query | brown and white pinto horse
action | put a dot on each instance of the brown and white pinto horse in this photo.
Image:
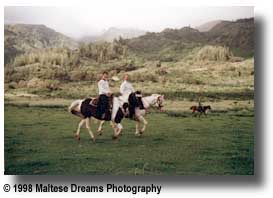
(154, 100)
(85, 110)
(201, 110)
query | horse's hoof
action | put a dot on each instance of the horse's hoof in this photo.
(77, 137)
(99, 133)
(94, 140)
(114, 137)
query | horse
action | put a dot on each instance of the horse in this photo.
(201, 109)
(86, 108)
(148, 102)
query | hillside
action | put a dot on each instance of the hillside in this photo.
(176, 43)
(165, 44)
(207, 26)
(20, 38)
(238, 35)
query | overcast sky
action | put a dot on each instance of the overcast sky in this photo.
(81, 21)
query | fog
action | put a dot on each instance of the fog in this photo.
(81, 21)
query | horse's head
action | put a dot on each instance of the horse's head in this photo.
(158, 100)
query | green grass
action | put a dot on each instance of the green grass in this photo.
(40, 141)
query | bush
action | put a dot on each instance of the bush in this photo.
(82, 75)
(42, 84)
(77, 75)
(12, 85)
(22, 84)
(214, 53)
(142, 77)
(161, 72)
(17, 76)
(43, 56)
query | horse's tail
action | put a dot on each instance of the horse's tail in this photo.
(73, 107)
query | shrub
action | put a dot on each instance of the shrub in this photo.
(42, 84)
(35, 83)
(22, 84)
(12, 85)
(142, 77)
(78, 75)
(214, 53)
(161, 71)
(16, 76)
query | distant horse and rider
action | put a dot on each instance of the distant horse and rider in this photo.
(200, 109)
(106, 107)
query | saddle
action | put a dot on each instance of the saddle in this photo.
(94, 102)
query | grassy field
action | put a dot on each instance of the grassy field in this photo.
(39, 140)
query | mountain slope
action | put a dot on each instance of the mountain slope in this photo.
(237, 35)
(169, 41)
(20, 38)
(207, 26)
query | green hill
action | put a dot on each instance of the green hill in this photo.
(238, 35)
(177, 43)
(21, 38)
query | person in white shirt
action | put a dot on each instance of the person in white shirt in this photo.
(128, 92)
(126, 87)
(104, 94)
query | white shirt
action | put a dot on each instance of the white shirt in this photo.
(126, 88)
(103, 87)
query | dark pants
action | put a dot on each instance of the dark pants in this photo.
(133, 103)
(103, 105)
(140, 103)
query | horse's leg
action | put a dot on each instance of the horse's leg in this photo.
(137, 128)
(112, 124)
(99, 131)
(77, 134)
(117, 130)
(89, 129)
(142, 119)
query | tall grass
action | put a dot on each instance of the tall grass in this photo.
(214, 53)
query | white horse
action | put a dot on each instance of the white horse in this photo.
(148, 102)
(117, 115)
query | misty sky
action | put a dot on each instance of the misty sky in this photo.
(81, 21)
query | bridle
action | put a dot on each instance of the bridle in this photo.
(159, 103)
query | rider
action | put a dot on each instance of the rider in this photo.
(126, 87)
(104, 94)
(200, 106)
(134, 99)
